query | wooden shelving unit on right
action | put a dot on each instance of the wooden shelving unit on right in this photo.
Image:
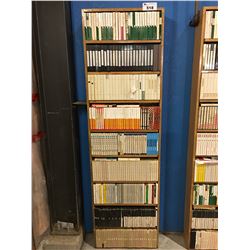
(201, 211)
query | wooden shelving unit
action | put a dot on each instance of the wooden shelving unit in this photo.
(195, 103)
(145, 102)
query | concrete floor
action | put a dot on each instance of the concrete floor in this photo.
(168, 242)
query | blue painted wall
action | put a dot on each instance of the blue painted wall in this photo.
(178, 56)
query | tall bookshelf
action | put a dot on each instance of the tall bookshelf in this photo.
(201, 211)
(124, 103)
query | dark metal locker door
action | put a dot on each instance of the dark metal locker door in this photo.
(52, 54)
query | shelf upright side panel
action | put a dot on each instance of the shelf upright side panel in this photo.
(159, 149)
(193, 115)
(89, 138)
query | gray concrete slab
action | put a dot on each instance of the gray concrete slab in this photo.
(169, 242)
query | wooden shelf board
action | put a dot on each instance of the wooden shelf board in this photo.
(203, 249)
(125, 156)
(206, 8)
(210, 40)
(206, 182)
(209, 71)
(208, 100)
(123, 72)
(117, 10)
(124, 101)
(80, 103)
(207, 131)
(125, 182)
(124, 131)
(126, 228)
(205, 206)
(121, 41)
(126, 205)
(205, 156)
(203, 229)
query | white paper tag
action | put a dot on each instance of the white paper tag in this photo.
(149, 6)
